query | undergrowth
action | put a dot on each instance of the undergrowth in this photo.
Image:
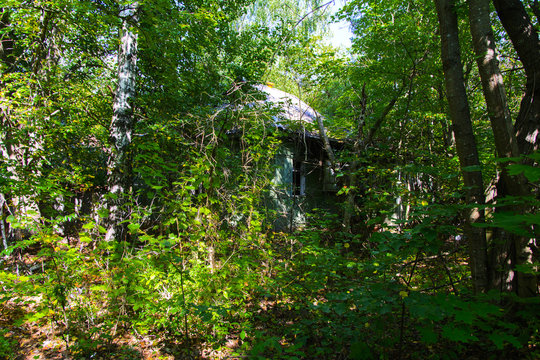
(397, 294)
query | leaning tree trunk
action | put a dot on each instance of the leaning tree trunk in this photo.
(351, 194)
(524, 37)
(492, 80)
(465, 141)
(505, 143)
(326, 142)
(121, 128)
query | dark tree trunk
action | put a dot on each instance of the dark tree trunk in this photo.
(492, 81)
(6, 43)
(524, 37)
(508, 250)
(350, 203)
(465, 141)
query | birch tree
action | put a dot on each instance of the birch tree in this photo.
(121, 128)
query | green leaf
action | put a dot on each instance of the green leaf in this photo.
(99, 288)
(472, 168)
(465, 316)
(89, 225)
(103, 213)
(429, 336)
(497, 339)
(529, 268)
(500, 339)
(360, 351)
(530, 172)
(133, 227)
(451, 332)
(31, 213)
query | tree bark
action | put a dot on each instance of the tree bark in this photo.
(2, 226)
(118, 167)
(465, 141)
(326, 142)
(358, 145)
(506, 146)
(491, 78)
(6, 43)
(524, 37)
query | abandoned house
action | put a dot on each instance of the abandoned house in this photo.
(303, 179)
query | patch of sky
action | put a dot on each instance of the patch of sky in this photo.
(340, 31)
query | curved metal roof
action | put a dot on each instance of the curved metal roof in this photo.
(292, 107)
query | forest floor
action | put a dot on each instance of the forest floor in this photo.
(44, 341)
(290, 323)
(45, 338)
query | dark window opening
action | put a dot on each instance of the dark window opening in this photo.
(299, 179)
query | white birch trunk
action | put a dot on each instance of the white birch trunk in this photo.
(122, 123)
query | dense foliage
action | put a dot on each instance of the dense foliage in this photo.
(199, 270)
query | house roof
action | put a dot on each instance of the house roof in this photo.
(293, 109)
(296, 118)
